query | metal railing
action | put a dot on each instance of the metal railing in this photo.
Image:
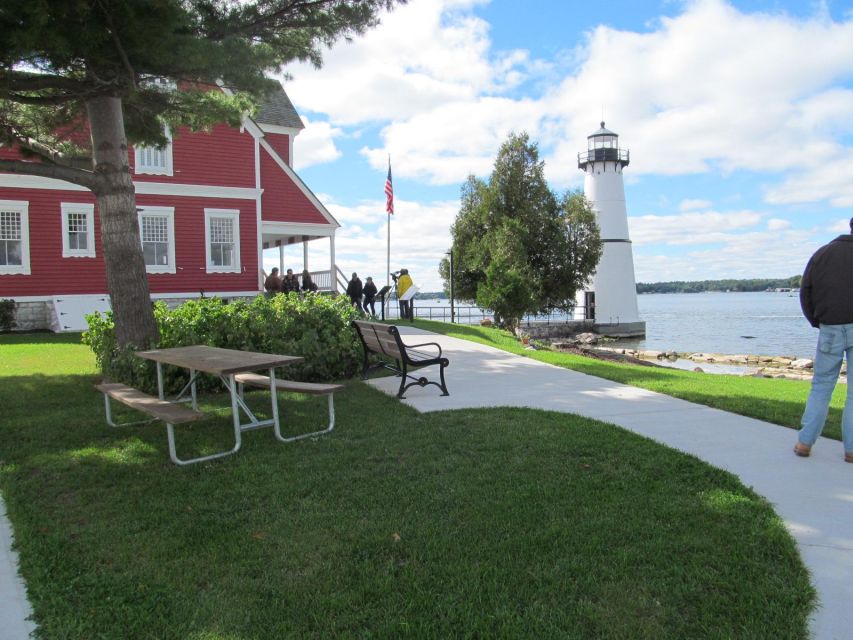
(604, 155)
(474, 315)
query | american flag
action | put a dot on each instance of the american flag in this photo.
(389, 192)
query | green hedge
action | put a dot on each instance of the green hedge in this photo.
(316, 327)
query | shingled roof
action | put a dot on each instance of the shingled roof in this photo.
(278, 110)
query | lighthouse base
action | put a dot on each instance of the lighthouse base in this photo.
(621, 330)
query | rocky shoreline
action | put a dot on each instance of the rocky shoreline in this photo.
(746, 364)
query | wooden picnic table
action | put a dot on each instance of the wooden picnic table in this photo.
(224, 363)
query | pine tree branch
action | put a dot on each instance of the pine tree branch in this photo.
(42, 150)
(17, 81)
(80, 177)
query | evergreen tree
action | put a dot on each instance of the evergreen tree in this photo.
(80, 79)
(517, 247)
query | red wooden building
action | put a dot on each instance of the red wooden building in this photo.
(209, 204)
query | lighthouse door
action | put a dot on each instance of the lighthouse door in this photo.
(589, 305)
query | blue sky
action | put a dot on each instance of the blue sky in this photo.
(738, 116)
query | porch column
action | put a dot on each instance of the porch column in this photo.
(280, 258)
(305, 255)
(332, 271)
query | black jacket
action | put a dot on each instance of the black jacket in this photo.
(354, 289)
(826, 293)
(369, 291)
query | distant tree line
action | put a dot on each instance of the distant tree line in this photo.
(752, 284)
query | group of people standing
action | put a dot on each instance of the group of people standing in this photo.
(276, 283)
(363, 296)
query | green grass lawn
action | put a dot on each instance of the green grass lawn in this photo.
(501, 523)
(771, 399)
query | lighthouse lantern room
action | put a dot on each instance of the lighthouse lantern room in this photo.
(613, 297)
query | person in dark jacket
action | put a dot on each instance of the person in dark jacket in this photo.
(273, 282)
(290, 282)
(826, 296)
(354, 291)
(370, 292)
(308, 285)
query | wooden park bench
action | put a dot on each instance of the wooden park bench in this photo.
(384, 341)
(311, 388)
(158, 409)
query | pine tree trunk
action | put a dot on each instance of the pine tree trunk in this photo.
(127, 282)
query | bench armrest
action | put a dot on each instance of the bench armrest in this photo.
(425, 344)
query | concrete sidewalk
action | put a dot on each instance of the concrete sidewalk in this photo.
(14, 606)
(814, 496)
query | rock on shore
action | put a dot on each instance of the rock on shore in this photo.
(754, 365)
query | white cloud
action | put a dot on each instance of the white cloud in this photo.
(698, 93)
(688, 205)
(420, 235)
(315, 144)
(737, 257)
(691, 95)
(423, 55)
(777, 224)
(829, 180)
(693, 228)
(842, 226)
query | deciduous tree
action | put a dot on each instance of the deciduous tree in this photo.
(518, 248)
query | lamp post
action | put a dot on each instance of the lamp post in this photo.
(452, 308)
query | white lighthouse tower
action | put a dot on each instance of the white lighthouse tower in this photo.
(612, 303)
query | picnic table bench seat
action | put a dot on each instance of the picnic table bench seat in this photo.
(311, 388)
(384, 341)
(158, 409)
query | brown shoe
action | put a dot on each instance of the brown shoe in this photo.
(803, 450)
(848, 457)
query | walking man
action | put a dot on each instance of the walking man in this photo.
(826, 296)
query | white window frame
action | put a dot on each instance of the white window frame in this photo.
(89, 211)
(169, 214)
(22, 207)
(234, 216)
(142, 168)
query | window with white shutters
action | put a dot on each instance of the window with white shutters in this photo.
(14, 237)
(222, 236)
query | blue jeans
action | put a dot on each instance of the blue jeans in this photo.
(833, 342)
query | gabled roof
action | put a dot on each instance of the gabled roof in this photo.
(278, 110)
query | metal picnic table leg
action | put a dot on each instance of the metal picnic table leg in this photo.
(160, 391)
(170, 428)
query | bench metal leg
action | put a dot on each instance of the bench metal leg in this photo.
(315, 433)
(444, 390)
(422, 381)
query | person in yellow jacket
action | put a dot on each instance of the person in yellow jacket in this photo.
(403, 284)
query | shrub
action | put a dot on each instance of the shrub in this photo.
(315, 327)
(7, 315)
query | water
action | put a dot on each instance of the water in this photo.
(709, 322)
(722, 323)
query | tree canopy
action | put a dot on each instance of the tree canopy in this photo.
(80, 79)
(518, 247)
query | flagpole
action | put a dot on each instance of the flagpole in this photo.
(388, 212)
(388, 255)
